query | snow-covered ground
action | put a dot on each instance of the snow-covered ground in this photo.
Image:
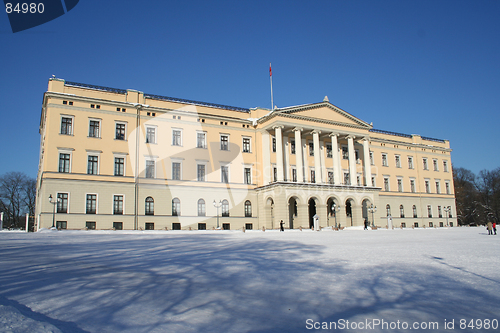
(230, 281)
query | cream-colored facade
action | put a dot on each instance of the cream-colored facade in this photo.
(123, 159)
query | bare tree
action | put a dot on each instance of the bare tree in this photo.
(17, 197)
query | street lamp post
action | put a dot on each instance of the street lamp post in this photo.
(447, 210)
(372, 209)
(217, 206)
(54, 202)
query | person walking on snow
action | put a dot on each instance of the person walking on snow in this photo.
(282, 226)
(494, 227)
(489, 226)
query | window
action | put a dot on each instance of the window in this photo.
(438, 187)
(346, 178)
(401, 211)
(400, 185)
(247, 175)
(410, 162)
(384, 160)
(294, 175)
(415, 225)
(64, 160)
(329, 153)
(388, 210)
(427, 187)
(292, 146)
(94, 126)
(67, 125)
(450, 215)
(151, 135)
(426, 166)
(90, 225)
(91, 204)
(226, 226)
(176, 226)
(445, 166)
(372, 160)
(118, 225)
(415, 211)
(403, 225)
(431, 224)
(313, 176)
(150, 206)
(119, 166)
(398, 161)
(275, 174)
(440, 212)
(412, 185)
(373, 182)
(447, 186)
(120, 131)
(248, 208)
(201, 172)
(386, 184)
(274, 144)
(118, 204)
(225, 208)
(311, 148)
(358, 180)
(330, 177)
(176, 137)
(62, 203)
(176, 170)
(224, 174)
(149, 226)
(224, 142)
(201, 140)
(246, 145)
(248, 226)
(92, 165)
(61, 224)
(435, 164)
(150, 169)
(201, 207)
(429, 211)
(345, 153)
(356, 154)
(176, 207)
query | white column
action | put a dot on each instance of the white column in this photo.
(279, 152)
(352, 160)
(336, 159)
(367, 163)
(298, 154)
(324, 174)
(317, 158)
(286, 158)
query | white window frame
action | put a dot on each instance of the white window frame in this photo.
(176, 160)
(204, 145)
(437, 183)
(249, 144)
(120, 122)
(94, 153)
(96, 203)
(124, 156)
(385, 160)
(65, 151)
(248, 166)
(427, 181)
(72, 124)
(372, 158)
(146, 159)
(99, 132)
(155, 136)
(181, 136)
(425, 162)
(397, 160)
(113, 203)
(69, 197)
(445, 166)
(400, 180)
(447, 185)
(225, 164)
(228, 141)
(388, 188)
(414, 189)
(411, 162)
(435, 164)
(200, 162)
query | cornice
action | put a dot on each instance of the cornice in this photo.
(315, 120)
(410, 144)
(317, 186)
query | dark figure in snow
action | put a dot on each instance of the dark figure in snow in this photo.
(366, 224)
(489, 226)
(494, 227)
(282, 226)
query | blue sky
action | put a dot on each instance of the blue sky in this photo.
(414, 67)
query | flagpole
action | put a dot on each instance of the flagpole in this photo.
(271, 75)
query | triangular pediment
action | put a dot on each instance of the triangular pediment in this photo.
(323, 112)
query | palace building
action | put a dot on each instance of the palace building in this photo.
(124, 159)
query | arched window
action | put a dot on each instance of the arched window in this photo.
(225, 208)
(388, 209)
(150, 206)
(201, 207)
(414, 211)
(176, 207)
(248, 208)
(401, 211)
